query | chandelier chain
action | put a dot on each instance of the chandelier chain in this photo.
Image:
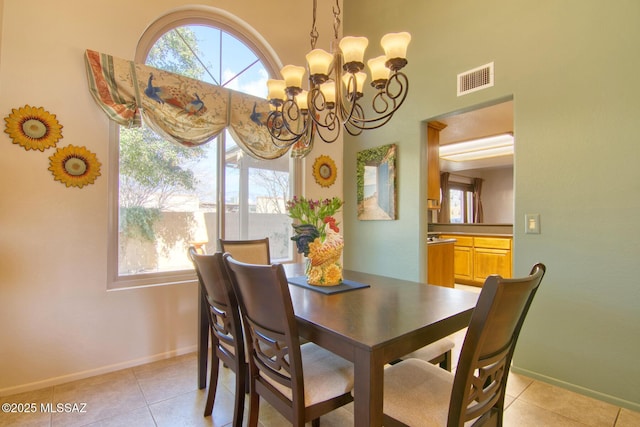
(314, 30)
(336, 20)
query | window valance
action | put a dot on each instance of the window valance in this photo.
(181, 109)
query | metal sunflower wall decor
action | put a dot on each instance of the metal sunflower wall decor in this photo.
(325, 171)
(33, 128)
(74, 166)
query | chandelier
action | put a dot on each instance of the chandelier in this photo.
(335, 89)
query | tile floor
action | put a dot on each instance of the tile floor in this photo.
(165, 393)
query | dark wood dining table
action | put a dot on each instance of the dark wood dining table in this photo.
(371, 327)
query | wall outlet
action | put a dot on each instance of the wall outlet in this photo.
(532, 223)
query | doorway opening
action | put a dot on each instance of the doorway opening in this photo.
(474, 191)
(494, 171)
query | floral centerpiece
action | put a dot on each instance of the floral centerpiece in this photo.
(317, 237)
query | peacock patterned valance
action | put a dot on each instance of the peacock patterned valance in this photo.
(181, 109)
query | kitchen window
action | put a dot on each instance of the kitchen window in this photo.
(460, 203)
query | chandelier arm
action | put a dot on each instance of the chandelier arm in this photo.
(381, 102)
(276, 125)
(293, 114)
(396, 99)
(402, 81)
(317, 111)
(290, 112)
(351, 111)
(350, 123)
(369, 124)
(306, 138)
(279, 127)
(328, 135)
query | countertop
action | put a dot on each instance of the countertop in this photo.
(436, 241)
(478, 229)
(461, 233)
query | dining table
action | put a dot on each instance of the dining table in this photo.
(371, 325)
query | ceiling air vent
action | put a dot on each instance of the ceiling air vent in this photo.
(476, 79)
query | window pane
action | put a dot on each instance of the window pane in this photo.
(456, 200)
(164, 198)
(255, 196)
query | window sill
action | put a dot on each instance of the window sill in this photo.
(151, 280)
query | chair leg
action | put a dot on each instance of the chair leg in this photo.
(203, 339)
(446, 361)
(213, 383)
(315, 422)
(254, 408)
(241, 388)
(213, 376)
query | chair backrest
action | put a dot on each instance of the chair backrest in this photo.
(224, 313)
(254, 251)
(272, 340)
(483, 367)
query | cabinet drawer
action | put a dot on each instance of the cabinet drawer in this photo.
(492, 242)
(460, 240)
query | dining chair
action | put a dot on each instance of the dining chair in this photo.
(438, 353)
(302, 382)
(416, 393)
(227, 339)
(254, 251)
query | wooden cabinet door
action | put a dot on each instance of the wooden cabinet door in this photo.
(491, 261)
(440, 261)
(433, 164)
(463, 262)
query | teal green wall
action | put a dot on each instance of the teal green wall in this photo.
(572, 68)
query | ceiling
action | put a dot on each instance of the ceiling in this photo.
(482, 122)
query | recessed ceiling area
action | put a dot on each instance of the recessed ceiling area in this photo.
(480, 123)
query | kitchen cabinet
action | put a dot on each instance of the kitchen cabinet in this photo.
(463, 258)
(440, 262)
(433, 164)
(476, 257)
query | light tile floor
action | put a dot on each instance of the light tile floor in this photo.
(165, 393)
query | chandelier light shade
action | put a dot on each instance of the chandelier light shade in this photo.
(319, 61)
(379, 71)
(292, 75)
(395, 45)
(353, 49)
(276, 90)
(328, 91)
(321, 105)
(302, 101)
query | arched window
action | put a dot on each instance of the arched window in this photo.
(170, 196)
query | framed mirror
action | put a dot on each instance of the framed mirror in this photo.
(376, 180)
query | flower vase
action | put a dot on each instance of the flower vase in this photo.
(324, 267)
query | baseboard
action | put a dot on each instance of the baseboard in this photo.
(634, 406)
(50, 382)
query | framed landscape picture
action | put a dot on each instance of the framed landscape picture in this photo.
(376, 180)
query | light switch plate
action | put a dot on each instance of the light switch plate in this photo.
(532, 223)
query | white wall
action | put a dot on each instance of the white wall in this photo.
(58, 320)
